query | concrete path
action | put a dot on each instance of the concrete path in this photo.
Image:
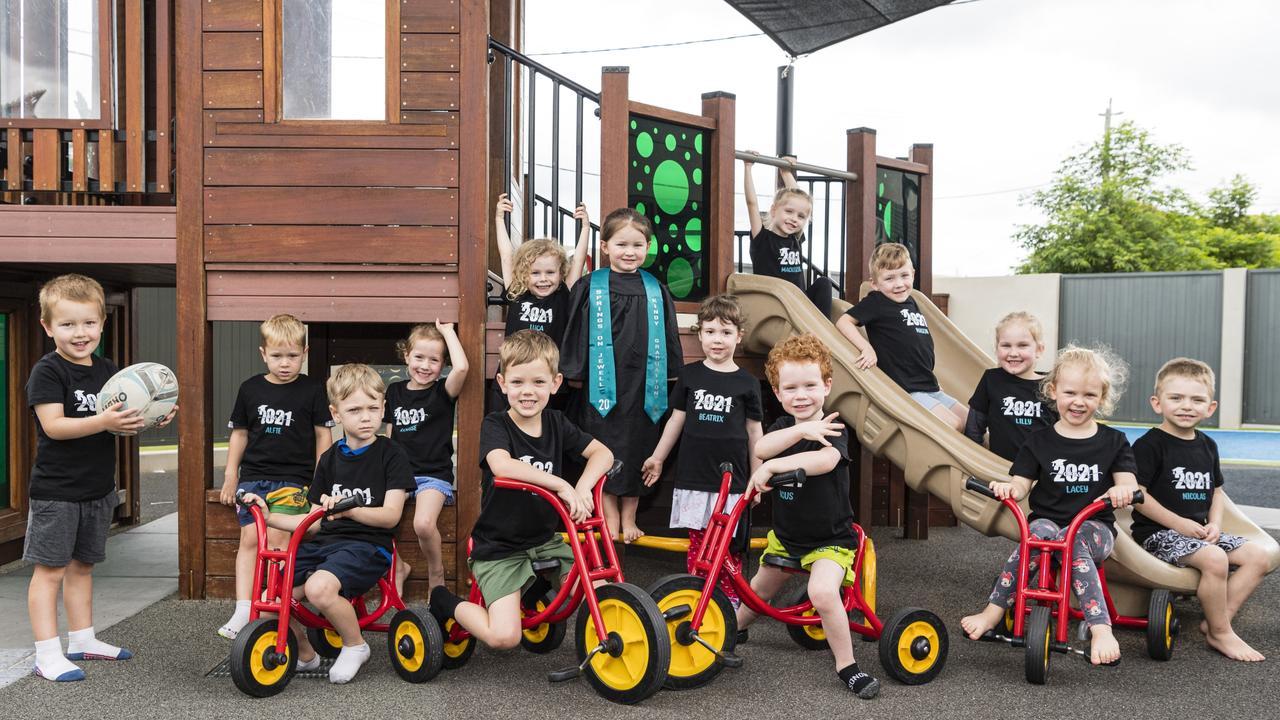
(141, 569)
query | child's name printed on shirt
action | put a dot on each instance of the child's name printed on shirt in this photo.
(537, 317)
(1184, 479)
(274, 418)
(1023, 412)
(407, 419)
(717, 405)
(915, 320)
(1066, 472)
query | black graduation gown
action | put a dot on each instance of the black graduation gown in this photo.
(626, 430)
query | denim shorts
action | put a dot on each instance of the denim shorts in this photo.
(444, 487)
(281, 497)
(931, 400)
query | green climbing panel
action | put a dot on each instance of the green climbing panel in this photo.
(898, 211)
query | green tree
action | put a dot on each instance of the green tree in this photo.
(1108, 210)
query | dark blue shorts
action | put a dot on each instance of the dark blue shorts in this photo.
(356, 564)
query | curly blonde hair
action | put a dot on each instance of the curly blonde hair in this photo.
(1102, 361)
(526, 254)
(798, 349)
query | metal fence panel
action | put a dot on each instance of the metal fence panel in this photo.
(1146, 318)
(158, 342)
(1261, 348)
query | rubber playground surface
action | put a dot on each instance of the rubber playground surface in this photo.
(1242, 446)
(950, 573)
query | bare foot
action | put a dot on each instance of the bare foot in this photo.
(1103, 648)
(630, 533)
(402, 573)
(977, 625)
(1233, 647)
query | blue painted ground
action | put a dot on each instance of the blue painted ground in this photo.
(1233, 445)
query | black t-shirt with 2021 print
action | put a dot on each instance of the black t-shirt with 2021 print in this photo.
(1070, 473)
(515, 520)
(817, 514)
(82, 468)
(899, 334)
(281, 420)
(1013, 409)
(1179, 474)
(547, 315)
(422, 423)
(717, 406)
(777, 256)
(368, 475)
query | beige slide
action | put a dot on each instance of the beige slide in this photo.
(934, 457)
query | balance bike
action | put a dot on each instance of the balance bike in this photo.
(703, 627)
(1031, 626)
(622, 649)
(264, 654)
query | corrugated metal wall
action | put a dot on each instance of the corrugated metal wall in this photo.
(1262, 348)
(1147, 319)
(235, 356)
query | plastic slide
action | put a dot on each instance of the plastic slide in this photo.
(932, 456)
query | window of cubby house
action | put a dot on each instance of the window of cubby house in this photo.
(333, 57)
(51, 61)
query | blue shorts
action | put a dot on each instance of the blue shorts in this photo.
(357, 565)
(444, 487)
(282, 497)
(931, 400)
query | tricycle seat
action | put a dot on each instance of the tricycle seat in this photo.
(545, 565)
(785, 562)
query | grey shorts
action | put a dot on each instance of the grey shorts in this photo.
(1174, 548)
(931, 400)
(59, 531)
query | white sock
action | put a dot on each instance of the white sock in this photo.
(309, 665)
(238, 620)
(82, 645)
(348, 663)
(51, 664)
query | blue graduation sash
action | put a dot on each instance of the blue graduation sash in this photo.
(602, 389)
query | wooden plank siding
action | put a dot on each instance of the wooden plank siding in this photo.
(334, 221)
(87, 234)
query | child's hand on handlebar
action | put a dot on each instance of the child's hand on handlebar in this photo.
(578, 510)
(1004, 490)
(252, 499)
(820, 430)
(328, 501)
(1121, 495)
(584, 488)
(760, 480)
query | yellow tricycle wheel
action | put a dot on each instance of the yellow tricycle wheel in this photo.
(692, 665)
(456, 654)
(633, 664)
(255, 668)
(415, 646)
(913, 646)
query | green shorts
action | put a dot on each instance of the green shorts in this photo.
(500, 578)
(842, 556)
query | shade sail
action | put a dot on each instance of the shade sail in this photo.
(803, 26)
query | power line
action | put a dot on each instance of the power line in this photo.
(992, 192)
(647, 47)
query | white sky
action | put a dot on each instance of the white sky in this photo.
(1004, 89)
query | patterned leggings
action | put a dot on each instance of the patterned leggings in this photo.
(1094, 544)
(732, 559)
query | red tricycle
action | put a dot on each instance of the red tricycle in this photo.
(264, 655)
(703, 626)
(1030, 626)
(622, 649)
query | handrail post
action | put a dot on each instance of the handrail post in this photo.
(923, 153)
(860, 239)
(720, 106)
(614, 115)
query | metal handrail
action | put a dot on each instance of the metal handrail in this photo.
(542, 69)
(794, 165)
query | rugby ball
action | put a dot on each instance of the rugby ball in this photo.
(149, 386)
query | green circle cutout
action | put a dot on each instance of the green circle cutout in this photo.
(697, 143)
(652, 253)
(673, 230)
(693, 234)
(697, 176)
(687, 156)
(640, 186)
(670, 187)
(680, 277)
(644, 144)
(633, 124)
(670, 142)
(647, 169)
(640, 208)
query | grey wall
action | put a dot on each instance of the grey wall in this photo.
(235, 356)
(1147, 319)
(1262, 348)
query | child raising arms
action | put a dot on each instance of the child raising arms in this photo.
(716, 416)
(1007, 402)
(420, 413)
(622, 346)
(1066, 467)
(775, 246)
(538, 276)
